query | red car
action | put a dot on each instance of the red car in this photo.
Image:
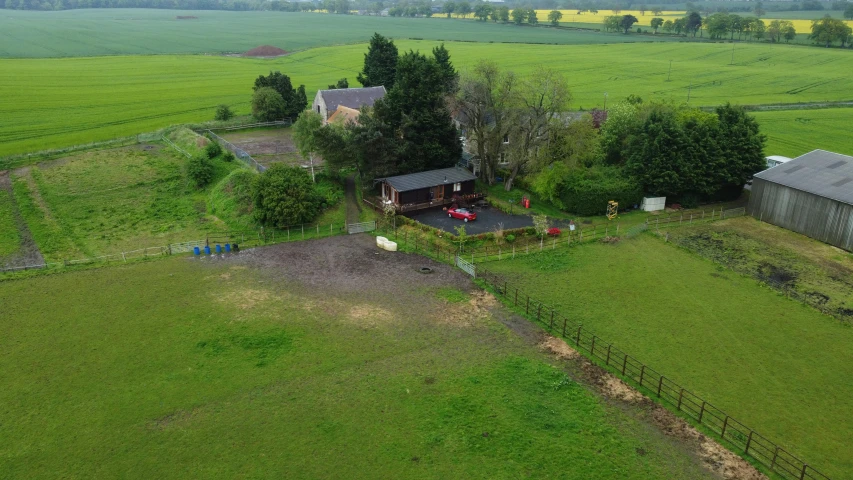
(462, 214)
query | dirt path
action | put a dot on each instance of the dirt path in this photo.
(353, 208)
(28, 252)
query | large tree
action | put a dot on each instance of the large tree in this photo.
(693, 22)
(627, 21)
(485, 107)
(267, 105)
(448, 74)
(305, 135)
(741, 144)
(294, 99)
(541, 99)
(285, 196)
(415, 113)
(380, 63)
(554, 17)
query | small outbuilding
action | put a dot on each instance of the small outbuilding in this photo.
(326, 102)
(432, 188)
(811, 194)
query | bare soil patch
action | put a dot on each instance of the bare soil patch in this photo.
(715, 457)
(28, 252)
(269, 146)
(267, 51)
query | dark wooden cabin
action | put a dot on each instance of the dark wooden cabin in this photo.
(429, 189)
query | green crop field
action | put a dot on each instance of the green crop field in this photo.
(794, 132)
(108, 97)
(769, 361)
(214, 369)
(87, 33)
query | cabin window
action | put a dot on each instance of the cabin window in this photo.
(506, 139)
(457, 187)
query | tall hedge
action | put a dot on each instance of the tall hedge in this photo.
(587, 191)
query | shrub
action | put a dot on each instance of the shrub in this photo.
(285, 196)
(554, 232)
(510, 238)
(223, 112)
(213, 150)
(587, 191)
(200, 170)
(228, 156)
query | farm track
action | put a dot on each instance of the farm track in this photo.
(28, 252)
(353, 208)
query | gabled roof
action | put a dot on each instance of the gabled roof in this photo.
(351, 97)
(430, 178)
(345, 115)
(819, 172)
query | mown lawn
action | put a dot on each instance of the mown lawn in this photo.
(109, 97)
(183, 368)
(773, 363)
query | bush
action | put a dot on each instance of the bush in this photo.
(554, 232)
(587, 191)
(228, 156)
(223, 112)
(200, 170)
(285, 196)
(213, 149)
(510, 238)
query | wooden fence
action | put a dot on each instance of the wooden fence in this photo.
(739, 436)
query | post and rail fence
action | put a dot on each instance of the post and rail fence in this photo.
(741, 437)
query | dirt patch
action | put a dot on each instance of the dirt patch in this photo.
(367, 315)
(470, 313)
(268, 146)
(714, 456)
(265, 51)
(28, 252)
(245, 299)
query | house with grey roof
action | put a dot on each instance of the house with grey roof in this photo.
(432, 188)
(326, 102)
(811, 194)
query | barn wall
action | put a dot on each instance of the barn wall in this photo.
(821, 218)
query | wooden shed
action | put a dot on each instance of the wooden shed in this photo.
(811, 194)
(431, 188)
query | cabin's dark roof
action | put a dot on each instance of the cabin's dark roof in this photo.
(351, 97)
(819, 172)
(430, 178)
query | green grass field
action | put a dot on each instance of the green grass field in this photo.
(794, 132)
(770, 362)
(87, 33)
(108, 97)
(9, 238)
(190, 369)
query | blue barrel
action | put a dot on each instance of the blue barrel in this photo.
(227, 247)
(196, 251)
(207, 249)
(218, 248)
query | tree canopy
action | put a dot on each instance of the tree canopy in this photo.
(285, 196)
(293, 101)
(380, 63)
(267, 105)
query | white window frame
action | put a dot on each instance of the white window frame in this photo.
(457, 187)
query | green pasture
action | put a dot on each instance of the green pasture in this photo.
(108, 97)
(96, 32)
(771, 362)
(188, 369)
(10, 239)
(794, 132)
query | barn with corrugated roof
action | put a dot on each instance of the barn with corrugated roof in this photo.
(812, 194)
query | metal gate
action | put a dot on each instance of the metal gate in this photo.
(466, 266)
(361, 227)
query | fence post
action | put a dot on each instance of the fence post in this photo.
(660, 384)
(803, 472)
(725, 424)
(330, 229)
(513, 251)
(624, 364)
(702, 411)
(680, 396)
(123, 257)
(748, 442)
(539, 313)
(578, 339)
(564, 326)
(642, 374)
(607, 362)
(775, 454)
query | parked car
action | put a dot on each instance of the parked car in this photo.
(462, 214)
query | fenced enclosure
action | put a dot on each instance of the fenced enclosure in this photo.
(739, 436)
(691, 217)
(244, 239)
(238, 152)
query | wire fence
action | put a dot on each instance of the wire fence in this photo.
(240, 238)
(173, 145)
(423, 241)
(239, 153)
(740, 437)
